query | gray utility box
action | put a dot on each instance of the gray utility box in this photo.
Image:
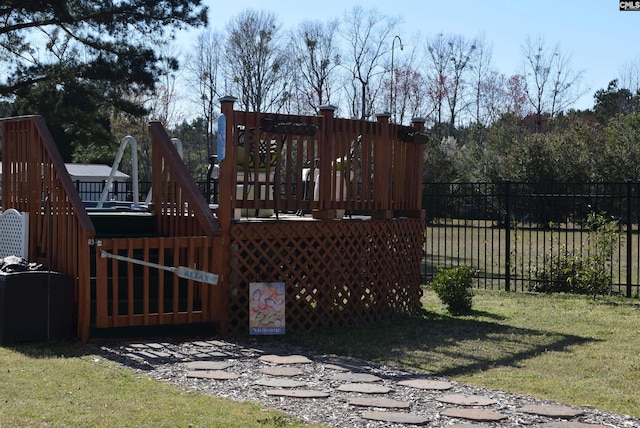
(35, 306)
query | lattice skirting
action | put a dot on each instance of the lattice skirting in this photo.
(336, 273)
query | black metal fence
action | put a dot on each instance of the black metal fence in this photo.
(120, 191)
(508, 231)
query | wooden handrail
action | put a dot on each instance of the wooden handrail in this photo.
(56, 160)
(35, 180)
(168, 170)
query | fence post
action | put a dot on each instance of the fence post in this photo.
(228, 169)
(629, 236)
(326, 208)
(507, 256)
(226, 204)
(416, 172)
(383, 157)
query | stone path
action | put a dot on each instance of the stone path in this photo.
(344, 392)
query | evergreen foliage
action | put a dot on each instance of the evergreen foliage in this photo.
(79, 62)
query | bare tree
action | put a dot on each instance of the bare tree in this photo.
(629, 76)
(409, 87)
(481, 70)
(316, 57)
(369, 38)
(164, 104)
(204, 68)
(516, 96)
(438, 56)
(256, 61)
(462, 54)
(411, 94)
(502, 95)
(550, 83)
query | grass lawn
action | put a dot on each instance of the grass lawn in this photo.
(63, 387)
(572, 349)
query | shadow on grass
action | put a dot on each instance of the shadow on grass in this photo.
(433, 342)
(440, 344)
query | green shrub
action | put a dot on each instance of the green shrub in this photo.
(453, 287)
(587, 271)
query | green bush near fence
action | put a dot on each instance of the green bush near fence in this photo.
(587, 271)
(453, 287)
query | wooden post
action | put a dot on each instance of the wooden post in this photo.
(325, 152)
(226, 204)
(383, 169)
(228, 165)
(416, 172)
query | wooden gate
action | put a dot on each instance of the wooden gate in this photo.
(139, 294)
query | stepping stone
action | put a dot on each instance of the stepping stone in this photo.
(191, 352)
(208, 365)
(386, 403)
(286, 359)
(280, 383)
(570, 425)
(297, 393)
(478, 415)
(396, 417)
(466, 426)
(466, 400)
(356, 377)
(552, 411)
(138, 345)
(212, 374)
(365, 388)
(336, 367)
(281, 371)
(202, 356)
(212, 354)
(426, 384)
(203, 344)
(163, 354)
(155, 345)
(147, 355)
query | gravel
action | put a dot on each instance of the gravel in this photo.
(170, 361)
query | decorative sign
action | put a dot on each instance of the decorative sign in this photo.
(222, 137)
(266, 308)
(197, 275)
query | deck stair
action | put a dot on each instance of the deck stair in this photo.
(139, 224)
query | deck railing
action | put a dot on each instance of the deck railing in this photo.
(176, 200)
(320, 164)
(139, 293)
(35, 180)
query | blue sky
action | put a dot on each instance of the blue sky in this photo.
(598, 36)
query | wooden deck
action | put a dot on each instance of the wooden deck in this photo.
(338, 269)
